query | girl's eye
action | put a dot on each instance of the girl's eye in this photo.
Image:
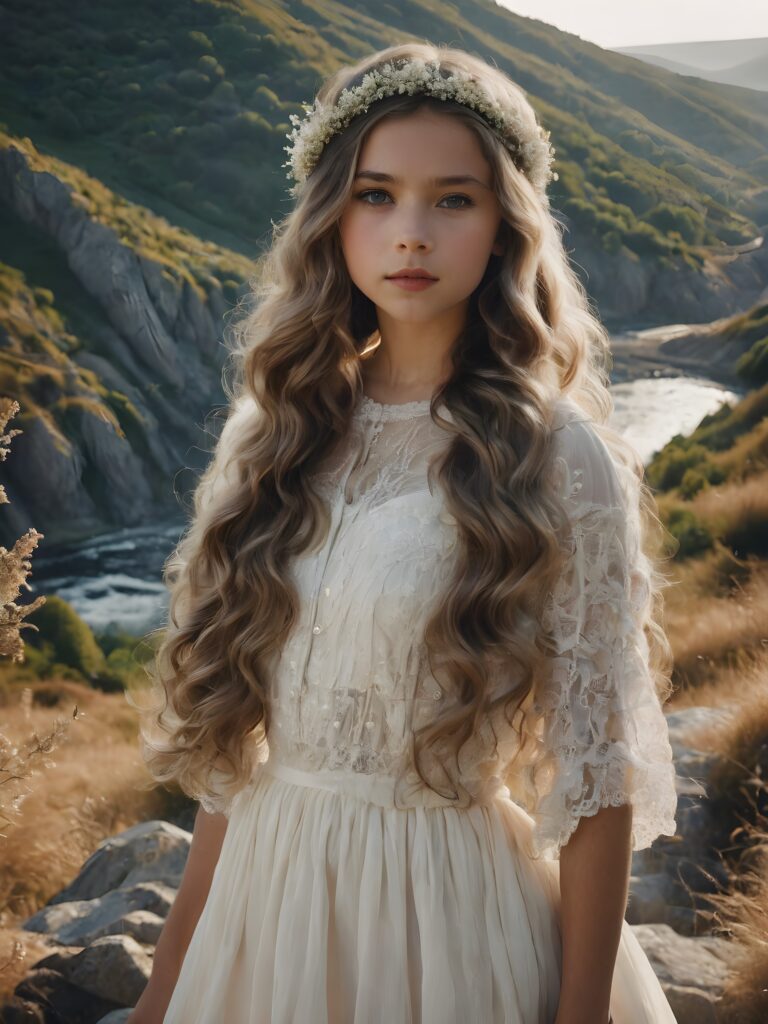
(380, 192)
(466, 200)
(371, 192)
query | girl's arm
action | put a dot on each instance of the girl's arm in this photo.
(595, 867)
(602, 781)
(207, 839)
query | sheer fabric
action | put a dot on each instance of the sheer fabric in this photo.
(604, 738)
(352, 682)
(346, 891)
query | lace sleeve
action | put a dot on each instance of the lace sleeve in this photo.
(604, 739)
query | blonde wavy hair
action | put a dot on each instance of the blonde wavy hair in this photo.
(530, 337)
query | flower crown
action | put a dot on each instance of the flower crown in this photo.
(533, 153)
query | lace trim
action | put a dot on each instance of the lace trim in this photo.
(369, 407)
(604, 739)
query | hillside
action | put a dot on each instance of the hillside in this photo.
(140, 176)
(187, 105)
(110, 340)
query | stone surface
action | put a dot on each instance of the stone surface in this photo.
(151, 851)
(153, 354)
(692, 970)
(80, 922)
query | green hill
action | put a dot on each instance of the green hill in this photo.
(187, 103)
(141, 152)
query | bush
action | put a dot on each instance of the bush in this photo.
(669, 467)
(645, 240)
(747, 534)
(692, 536)
(65, 639)
(689, 223)
(697, 478)
(693, 481)
(753, 365)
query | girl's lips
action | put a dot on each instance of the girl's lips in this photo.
(413, 284)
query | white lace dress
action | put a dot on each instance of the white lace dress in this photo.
(348, 893)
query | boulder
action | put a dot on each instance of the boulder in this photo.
(692, 970)
(115, 968)
(151, 851)
(80, 922)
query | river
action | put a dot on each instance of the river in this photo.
(114, 580)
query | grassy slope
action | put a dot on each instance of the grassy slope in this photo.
(186, 106)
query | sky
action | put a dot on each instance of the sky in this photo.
(634, 23)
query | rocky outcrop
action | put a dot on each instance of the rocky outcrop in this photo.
(671, 880)
(103, 927)
(692, 971)
(643, 293)
(116, 417)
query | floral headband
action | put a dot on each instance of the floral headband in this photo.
(532, 152)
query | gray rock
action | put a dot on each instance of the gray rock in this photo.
(45, 996)
(123, 488)
(670, 881)
(147, 852)
(692, 970)
(684, 723)
(42, 452)
(80, 922)
(144, 925)
(115, 967)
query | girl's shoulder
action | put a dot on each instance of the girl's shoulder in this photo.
(591, 471)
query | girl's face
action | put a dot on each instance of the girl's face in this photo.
(400, 214)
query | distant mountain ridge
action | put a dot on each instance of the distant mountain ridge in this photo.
(741, 62)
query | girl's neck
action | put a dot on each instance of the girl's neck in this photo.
(390, 388)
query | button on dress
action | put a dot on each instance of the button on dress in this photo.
(346, 891)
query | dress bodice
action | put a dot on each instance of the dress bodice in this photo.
(352, 683)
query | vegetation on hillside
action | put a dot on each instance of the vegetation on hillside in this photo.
(188, 104)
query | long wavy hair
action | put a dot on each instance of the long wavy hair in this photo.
(529, 338)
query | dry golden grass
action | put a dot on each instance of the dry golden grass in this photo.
(91, 788)
(742, 916)
(733, 508)
(747, 455)
(716, 619)
(738, 784)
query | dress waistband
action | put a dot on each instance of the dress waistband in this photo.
(396, 792)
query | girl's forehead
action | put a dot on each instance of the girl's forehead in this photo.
(423, 148)
(420, 123)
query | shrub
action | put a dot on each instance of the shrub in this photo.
(668, 217)
(691, 535)
(753, 364)
(670, 465)
(66, 638)
(693, 481)
(697, 478)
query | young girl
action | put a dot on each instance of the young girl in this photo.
(414, 668)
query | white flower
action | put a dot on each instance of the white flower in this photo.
(534, 155)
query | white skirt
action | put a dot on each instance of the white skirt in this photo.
(327, 909)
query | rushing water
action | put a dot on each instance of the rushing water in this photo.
(115, 579)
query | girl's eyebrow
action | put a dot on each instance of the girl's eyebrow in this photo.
(453, 179)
